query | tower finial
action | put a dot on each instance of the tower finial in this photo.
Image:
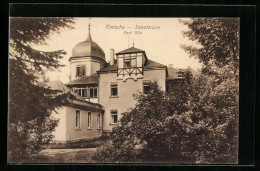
(89, 36)
(133, 42)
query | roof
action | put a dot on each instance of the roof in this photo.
(152, 64)
(87, 48)
(149, 65)
(92, 79)
(130, 50)
(58, 85)
(78, 101)
(173, 73)
(109, 68)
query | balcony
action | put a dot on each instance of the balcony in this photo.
(127, 73)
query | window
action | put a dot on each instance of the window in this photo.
(81, 90)
(130, 62)
(146, 87)
(77, 119)
(127, 63)
(93, 91)
(114, 91)
(84, 92)
(98, 121)
(89, 120)
(80, 71)
(114, 116)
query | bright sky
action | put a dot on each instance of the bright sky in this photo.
(161, 45)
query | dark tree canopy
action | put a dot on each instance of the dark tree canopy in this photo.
(31, 102)
(27, 31)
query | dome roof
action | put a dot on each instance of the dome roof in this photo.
(88, 48)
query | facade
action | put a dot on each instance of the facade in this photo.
(107, 88)
(118, 82)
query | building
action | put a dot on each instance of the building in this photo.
(77, 118)
(111, 85)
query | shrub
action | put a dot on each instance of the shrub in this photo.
(186, 124)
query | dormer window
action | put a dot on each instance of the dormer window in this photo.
(80, 71)
(127, 63)
(130, 61)
(130, 64)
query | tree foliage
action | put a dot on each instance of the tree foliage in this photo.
(31, 102)
(219, 55)
(219, 38)
(196, 120)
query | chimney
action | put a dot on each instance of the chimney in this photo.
(112, 57)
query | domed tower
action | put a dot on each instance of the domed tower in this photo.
(87, 58)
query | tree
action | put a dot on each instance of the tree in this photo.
(219, 54)
(219, 38)
(30, 101)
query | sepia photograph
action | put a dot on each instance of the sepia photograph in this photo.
(123, 90)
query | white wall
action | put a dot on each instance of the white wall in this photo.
(92, 65)
(60, 131)
(73, 133)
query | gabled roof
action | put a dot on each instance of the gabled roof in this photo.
(130, 50)
(78, 101)
(92, 79)
(149, 65)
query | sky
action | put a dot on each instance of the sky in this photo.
(161, 44)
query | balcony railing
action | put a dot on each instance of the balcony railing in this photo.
(130, 71)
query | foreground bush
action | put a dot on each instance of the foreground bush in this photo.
(107, 152)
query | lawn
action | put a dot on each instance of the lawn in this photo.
(73, 152)
(82, 155)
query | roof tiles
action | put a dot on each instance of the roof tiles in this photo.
(92, 79)
(130, 50)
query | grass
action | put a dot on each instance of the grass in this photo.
(65, 157)
(92, 143)
(80, 151)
